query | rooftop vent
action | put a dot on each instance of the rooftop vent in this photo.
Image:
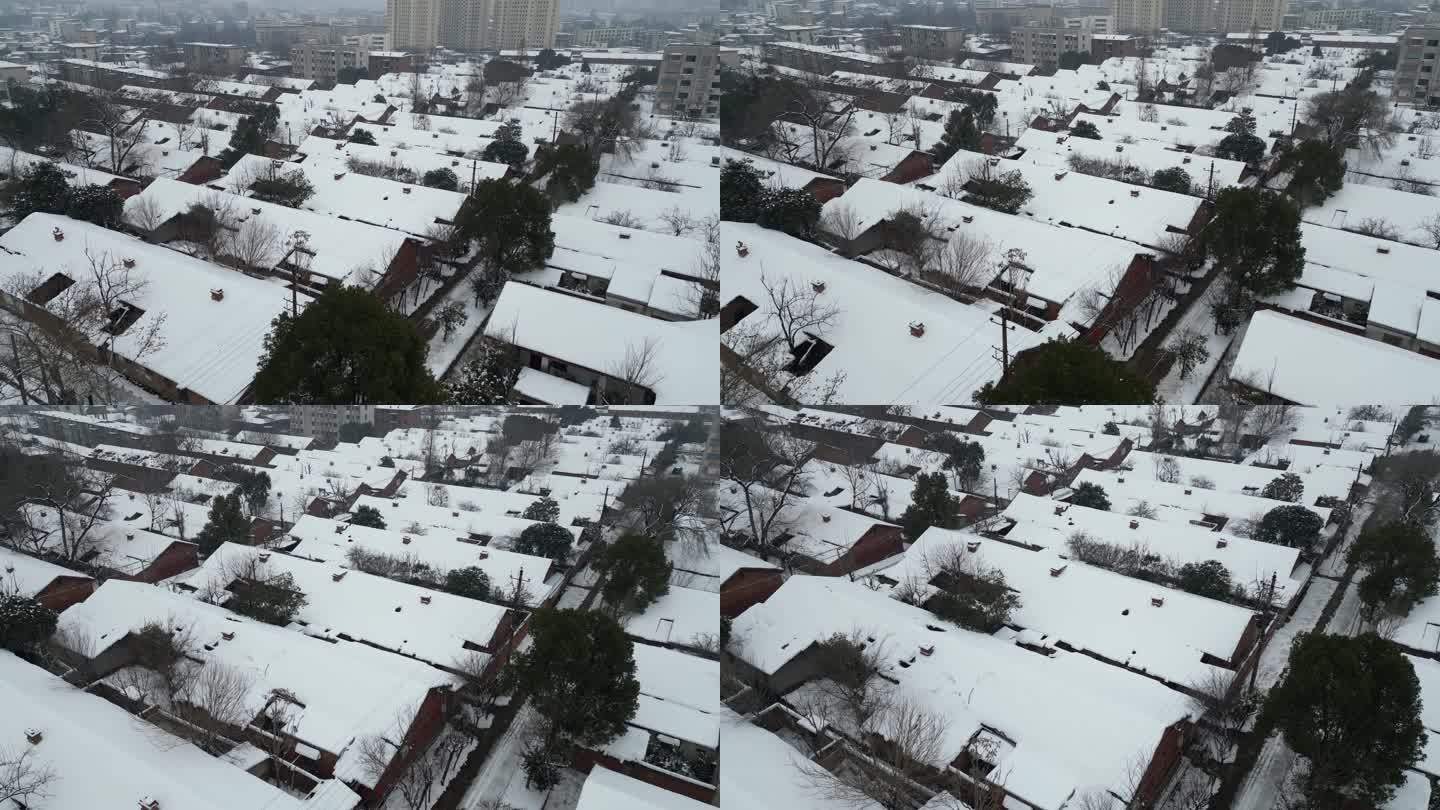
(968, 218)
(484, 555)
(927, 650)
(1157, 601)
(741, 250)
(128, 262)
(1382, 249)
(1189, 491)
(33, 736)
(1060, 175)
(147, 803)
(972, 545)
(714, 160)
(1134, 192)
(405, 190)
(454, 514)
(1119, 147)
(1134, 524)
(337, 576)
(817, 286)
(825, 518)
(58, 234)
(424, 598)
(917, 329)
(405, 541)
(130, 536)
(1121, 479)
(264, 556)
(1221, 543)
(624, 236)
(1185, 160)
(228, 635)
(1057, 571)
(217, 294)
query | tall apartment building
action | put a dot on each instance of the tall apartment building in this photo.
(323, 63)
(465, 24)
(525, 24)
(369, 42)
(1415, 72)
(1241, 16)
(413, 24)
(1335, 19)
(1091, 24)
(939, 41)
(1138, 16)
(324, 421)
(274, 35)
(689, 81)
(211, 57)
(1190, 15)
(1043, 46)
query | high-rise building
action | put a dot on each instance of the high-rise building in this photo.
(1416, 70)
(1189, 15)
(1138, 16)
(689, 81)
(413, 24)
(465, 24)
(1034, 45)
(325, 421)
(525, 24)
(323, 63)
(1241, 16)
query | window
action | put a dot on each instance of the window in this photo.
(690, 58)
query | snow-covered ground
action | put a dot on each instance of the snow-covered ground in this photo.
(1198, 318)
(444, 351)
(502, 780)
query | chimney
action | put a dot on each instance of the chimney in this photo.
(817, 286)
(405, 541)
(1059, 510)
(58, 234)
(972, 546)
(264, 556)
(1119, 147)
(405, 190)
(917, 329)
(33, 736)
(129, 535)
(217, 294)
(741, 250)
(228, 635)
(1157, 601)
(1382, 249)
(1060, 175)
(1134, 192)
(825, 518)
(454, 514)
(1221, 543)
(147, 803)
(424, 598)
(337, 576)
(1134, 524)
(1055, 572)
(1121, 479)
(128, 262)
(927, 650)
(484, 555)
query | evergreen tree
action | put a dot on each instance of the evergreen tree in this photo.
(227, 524)
(1085, 129)
(1401, 567)
(1241, 143)
(441, 178)
(1173, 179)
(42, 187)
(961, 132)
(1070, 60)
(97, 204)
(741, 191)
(507, 148)
(511, 223)
(25, 624)
(637, 573)
(792, 210)
(1351, 707)
(931, 504)
(1292, 525)
(1088, 493)
(369, 515)
(579, 673)
(1284, 487)
(1210, 579)
(254, 488)
(1318, 171)
(363, 137)
(544, 509)
(470, 582)
(571, 168)
(347, 346)
(1254, 237)
(545, 540)
(1067, 372)
(487, 378)
(253, 133)
(274, 600)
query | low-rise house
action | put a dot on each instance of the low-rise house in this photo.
(104, 540)
(51, 585)
(1184, 641)
(14, 163)
(642, 360)
(188, 330)
(102, 755)
(1021, 721)
(816, 537)
(684, 618)
(395, 163)
(1320, 482)
(154, 156)
(320, 705)
(432, 554)
(332, 251)
(454, 633)
(1182, 502)
(605, 789)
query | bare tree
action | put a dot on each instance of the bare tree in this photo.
(24, 780)
(1267, 422)
(703, 296)
(640, 367)
(144, 212)
(767, 470)
(859, 485)
(123, 125)
(1431, 227)
(840, 220)
(216, 702)
(677, 220)
(798, 310)
(256, 245)
(1167, 470)
(891, 773)
(965, 264)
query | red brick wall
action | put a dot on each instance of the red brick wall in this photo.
(586, 759)
(203, 171)
(747, 587)
(179, 557)
(825, 189)
(1133, 286)
(62, 592)
(403, 270)
(915, 166)
(1162, 763)
(428, 723)
(876, 544)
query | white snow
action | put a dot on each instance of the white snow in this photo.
(607, 790)
(683, 616)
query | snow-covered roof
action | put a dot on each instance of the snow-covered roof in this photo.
(333, 714)
(598, 337)
(288, 82)
(684, 616)
(1074, 721)
(13, 163)
(1054, 149)
(1315, 365)
(210, 347)
(605, 789)
(442, 551)
(342, 248)
(1361, 256)
(334, 155)
(28, 576)
(1091, 609)
(1355, 203)
(1181, 502)
(709, 567)
(1143, 215)
(1427, 671)
(274, 439)
(1319, 481)
(762, 769)
(871, 332)
(102, 755)
(679, 694)
(118, 544)
(412, 208)
(1063, 261)
(1248, 561)
(149, 158)
(432, 626)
